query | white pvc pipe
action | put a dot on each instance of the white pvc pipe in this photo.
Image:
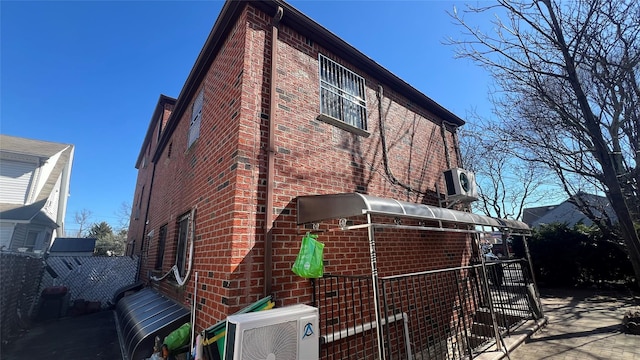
(193, 312)
(374, 285)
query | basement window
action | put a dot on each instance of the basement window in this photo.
(342, 96)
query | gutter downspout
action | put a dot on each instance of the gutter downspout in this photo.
(271, 153)
(146, 222)
(146, 212)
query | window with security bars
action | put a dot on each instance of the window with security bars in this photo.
(342, 94)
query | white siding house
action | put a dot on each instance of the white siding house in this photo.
(34, 187)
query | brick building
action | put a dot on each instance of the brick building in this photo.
(277, 108)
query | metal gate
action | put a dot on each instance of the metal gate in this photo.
(433, 314)
(453, 313)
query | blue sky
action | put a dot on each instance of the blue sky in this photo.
(89, 73)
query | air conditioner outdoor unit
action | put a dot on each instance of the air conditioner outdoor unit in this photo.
(461, 185)
(288, 333)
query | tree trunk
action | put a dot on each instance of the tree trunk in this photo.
(600, 152)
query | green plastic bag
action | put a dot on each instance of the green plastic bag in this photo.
(309, 264)
(179, 337)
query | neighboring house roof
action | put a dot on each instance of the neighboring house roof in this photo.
(305, 26)
(23, 214)
(60, 155)
(568, 212)
(529, 215)
(68, 245)
(24, 146)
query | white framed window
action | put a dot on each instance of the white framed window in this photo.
(196, 117)
(342, 94)
(182, 241)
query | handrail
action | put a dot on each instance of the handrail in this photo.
(357, 329)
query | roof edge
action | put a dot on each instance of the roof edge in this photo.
(230, 11)
(306, 26)
(162, 99)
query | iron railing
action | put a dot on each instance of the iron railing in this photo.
(347, 317)
(447, 314)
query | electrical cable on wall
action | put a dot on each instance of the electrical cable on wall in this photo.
(174, 269)
(385, 156)
(443, 132)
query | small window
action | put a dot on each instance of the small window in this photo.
(181, 248)
(162, 238)
(138, 209)
(30, 243)
(342, 94)
(47, 239)
(196, 116)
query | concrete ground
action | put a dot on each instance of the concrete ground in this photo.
(86, 337)
(582, 324)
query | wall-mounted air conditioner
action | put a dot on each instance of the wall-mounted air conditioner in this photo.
(461, 185)
(288, 333)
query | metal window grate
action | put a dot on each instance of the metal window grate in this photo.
(342, 93)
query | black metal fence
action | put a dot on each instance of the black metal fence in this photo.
(347, 317)
(20, 275)
(443, 314)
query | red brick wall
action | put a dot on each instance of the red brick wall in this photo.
(203, 177)
(136, 240)
(223, 175)
(314, 157)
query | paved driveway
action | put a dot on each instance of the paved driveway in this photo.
(583, 325)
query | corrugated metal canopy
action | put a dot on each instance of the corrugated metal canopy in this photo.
(316, 208)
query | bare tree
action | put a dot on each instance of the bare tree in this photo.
(506, 184)
(124, 215)
(569, 77)
(82, 218)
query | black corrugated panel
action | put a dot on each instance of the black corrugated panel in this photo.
(145, 315)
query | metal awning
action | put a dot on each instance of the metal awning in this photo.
(314, 209)
(317, 208)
